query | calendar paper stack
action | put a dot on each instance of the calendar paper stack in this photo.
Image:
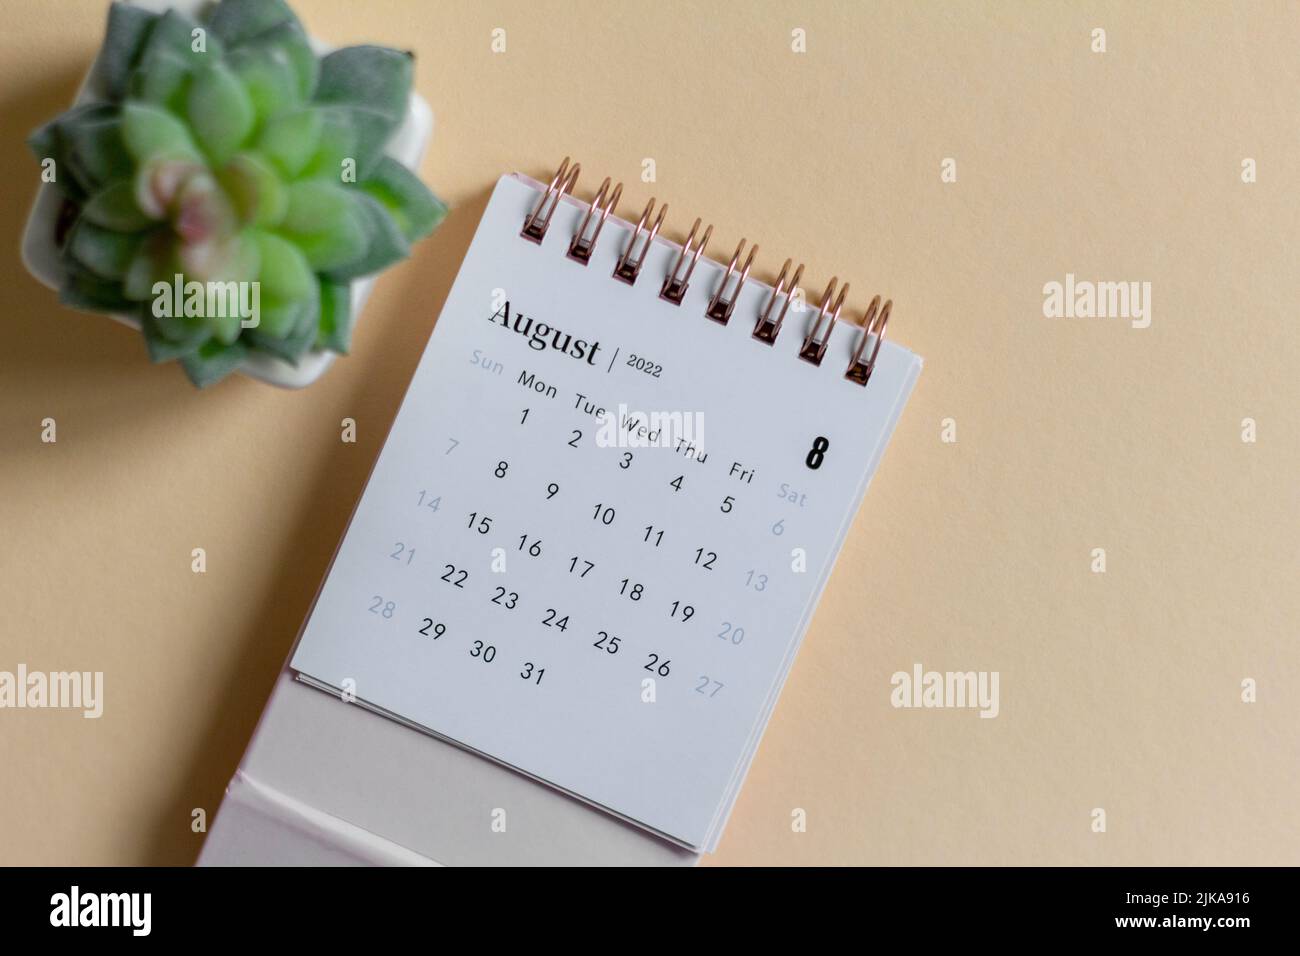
(593, 541)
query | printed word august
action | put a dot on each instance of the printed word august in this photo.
(540, 336)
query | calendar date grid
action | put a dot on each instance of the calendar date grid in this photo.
(632, 587)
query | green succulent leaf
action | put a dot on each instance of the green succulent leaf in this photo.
(175, 33)
(386, 243)
(164, 349)
(257, 192)
(296, 328)
(337, 143)
(128, 28)
(324, 221)
(269, 78)
(289, 140)
(225, 327)
(150, 131)
(193, 330)
(82, 289)
(237, 21)
(235, 259)
(212, 361)
(413, 207)
(163, 80)
(93, 149)
(288, 40)
(105, 253)
(303, 337)
(276, 320)
(374, 77)
(220, 112)
(114, 207)
(285, 274)
(154, 260)
(334, 329)
(348, 133)
(46, 143)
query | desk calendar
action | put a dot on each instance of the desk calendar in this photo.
(613, 493)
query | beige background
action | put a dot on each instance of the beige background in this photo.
(1118, 690)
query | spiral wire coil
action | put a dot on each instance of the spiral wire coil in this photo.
(722, 303)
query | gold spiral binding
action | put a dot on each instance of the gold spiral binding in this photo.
(674, 289)
(626, 270)
(766, 330)
(718, 309)
(812, 350)
(535, 225)
(872, 324)
(581, 246)
(721, 304)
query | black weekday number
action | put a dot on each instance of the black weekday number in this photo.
(532, 672)
(576, 563)
(430, 629)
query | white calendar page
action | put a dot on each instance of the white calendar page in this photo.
(613, 619)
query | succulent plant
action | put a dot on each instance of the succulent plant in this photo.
(226, 151)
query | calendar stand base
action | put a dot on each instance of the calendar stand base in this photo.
(327, 783)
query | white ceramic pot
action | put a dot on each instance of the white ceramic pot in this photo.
(41, 254)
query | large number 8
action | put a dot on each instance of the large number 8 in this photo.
(818, 453)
